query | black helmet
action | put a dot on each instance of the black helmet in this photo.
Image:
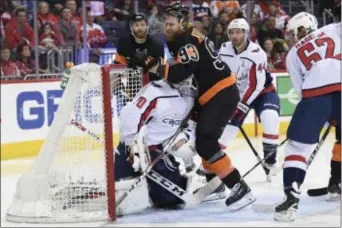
(177, 10)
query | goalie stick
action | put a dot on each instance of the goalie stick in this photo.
(189, 199)
(268, 208)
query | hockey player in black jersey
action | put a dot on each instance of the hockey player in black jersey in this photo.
(217, 98)
(139, 49)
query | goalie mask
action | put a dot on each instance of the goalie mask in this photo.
(186, 87)
(184, 144)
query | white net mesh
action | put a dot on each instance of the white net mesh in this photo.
(68, 180)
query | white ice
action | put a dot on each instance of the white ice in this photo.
(312, 211)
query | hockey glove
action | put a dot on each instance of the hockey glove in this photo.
(134, 62)
(239, 114)
(146, 63)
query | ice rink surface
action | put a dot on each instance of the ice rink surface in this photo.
(312, 211)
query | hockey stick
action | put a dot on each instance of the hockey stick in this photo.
(262, 208)
(318, 191)
(153, 163)
(254, 150)
(151, 174)
(214, 183)
(190, 200)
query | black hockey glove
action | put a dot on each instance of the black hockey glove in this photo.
(146, 63)
(239, 115)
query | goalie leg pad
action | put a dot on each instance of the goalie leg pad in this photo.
(137, 201)
(167, 168)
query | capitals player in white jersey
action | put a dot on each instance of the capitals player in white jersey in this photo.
(159, 109)
(248, 61)
(314, 64)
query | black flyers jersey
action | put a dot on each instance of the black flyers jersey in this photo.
(128, 47)
(195, 54)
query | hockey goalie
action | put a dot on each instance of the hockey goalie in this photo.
(147, 124)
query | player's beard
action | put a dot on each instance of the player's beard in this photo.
(237, 43)
(170, 36)
(140, 35)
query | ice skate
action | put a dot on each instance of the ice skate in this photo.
(240, 196)
(286, 210)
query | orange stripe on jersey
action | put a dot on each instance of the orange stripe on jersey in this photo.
(336, 153)
(166, 73)
(212, 91)
(252, 84)
(162, 61)
(120, 59)
(321, 90)
(222, 167)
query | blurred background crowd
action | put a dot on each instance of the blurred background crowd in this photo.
(39, 37)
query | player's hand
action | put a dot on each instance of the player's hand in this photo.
(135, 62)
(146, 63)
(239, 114)
(152, 65)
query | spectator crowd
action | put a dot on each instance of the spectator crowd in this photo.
(59, 25)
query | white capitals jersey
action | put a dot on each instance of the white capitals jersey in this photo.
(314, 62)
(159, 106)
(250, 69)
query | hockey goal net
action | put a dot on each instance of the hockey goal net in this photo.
(72, 179)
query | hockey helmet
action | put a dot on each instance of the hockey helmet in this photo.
(239, 23)
(179, 11)
(302, 19)
(184, 144)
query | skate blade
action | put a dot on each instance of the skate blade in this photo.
(331, 197)
(242, 203)
(215, 196)
(287, 216)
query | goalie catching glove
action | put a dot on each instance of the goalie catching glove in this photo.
(138, 154)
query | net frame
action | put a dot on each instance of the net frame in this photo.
(108, 73)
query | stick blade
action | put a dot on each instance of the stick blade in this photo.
(204, 191)
(317, 191)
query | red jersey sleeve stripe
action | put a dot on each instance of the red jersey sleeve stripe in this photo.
(252, 84)
(146, 113)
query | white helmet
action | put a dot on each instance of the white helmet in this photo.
(303, 19)
(184, 144)
(239, 23)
